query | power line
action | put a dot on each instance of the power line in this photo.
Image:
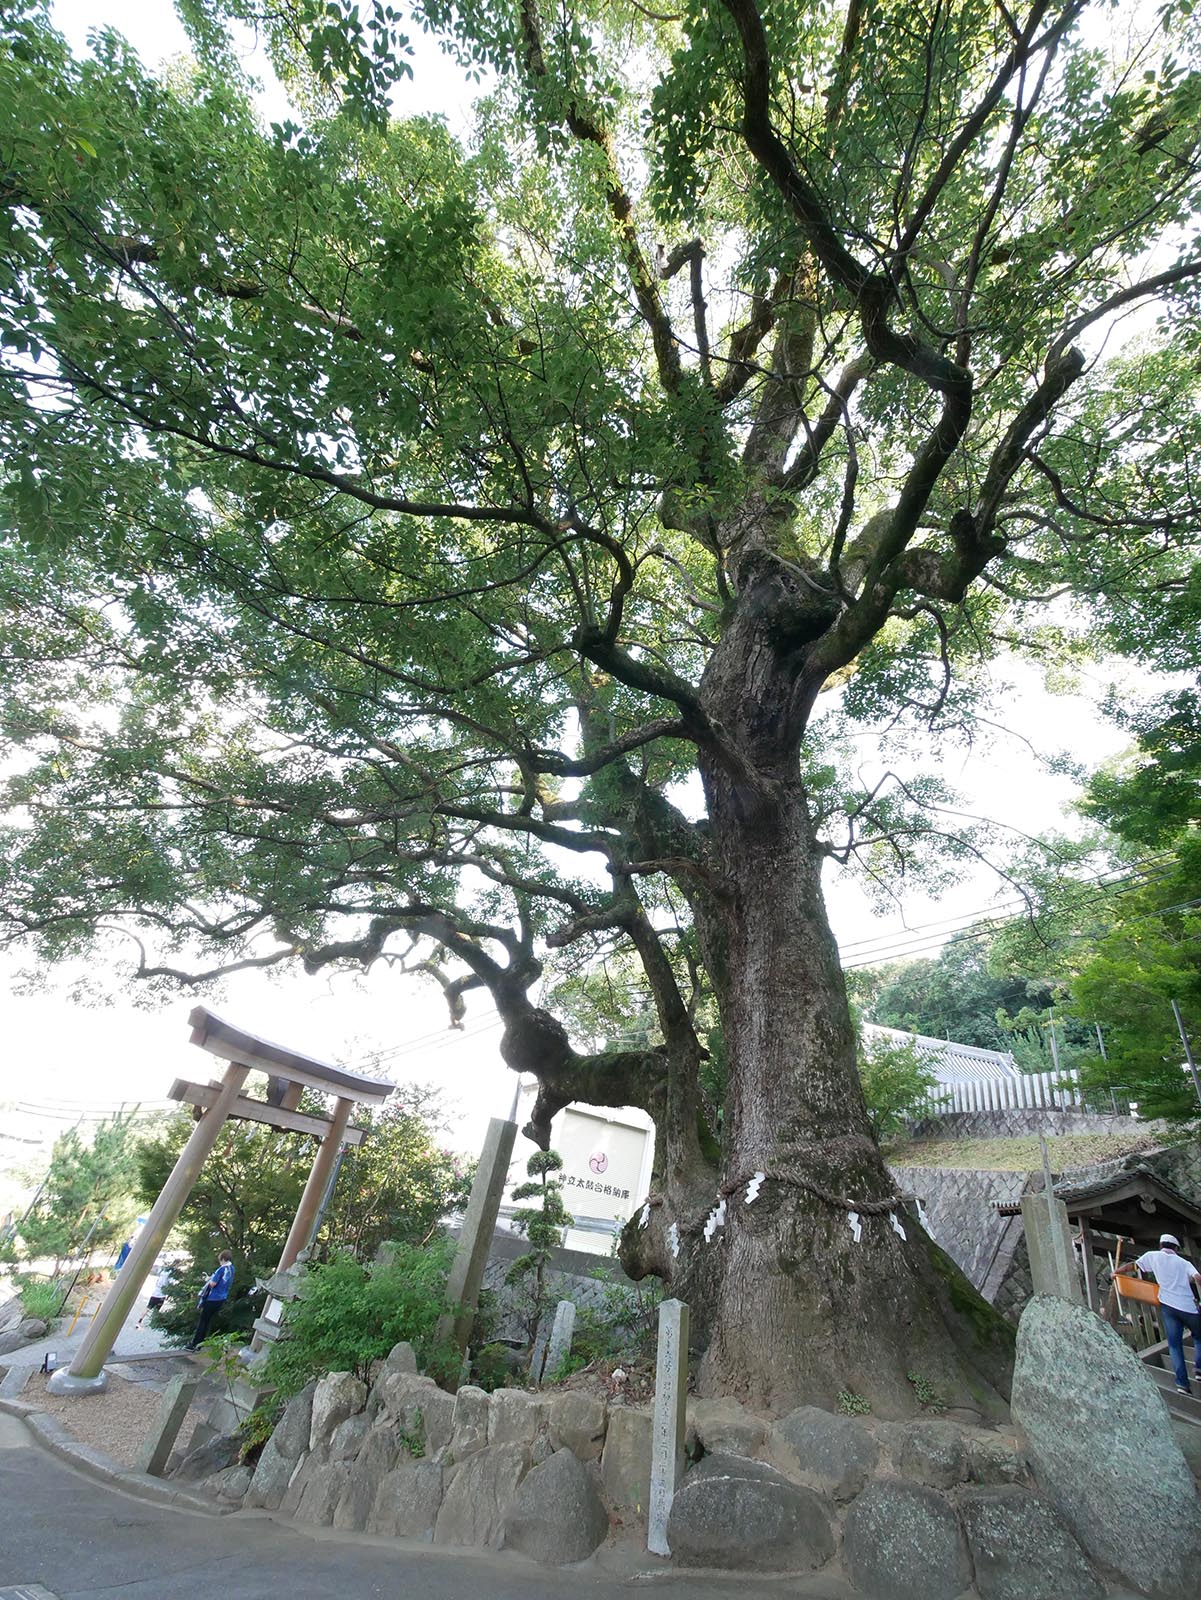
(908, 943)
(445, 1035)
(1141, 871)
(985, 932)
(42, 1114)
(440, 1040)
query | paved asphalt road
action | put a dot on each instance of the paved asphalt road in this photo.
(82, 1541)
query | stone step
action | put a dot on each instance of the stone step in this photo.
(1187, 1406)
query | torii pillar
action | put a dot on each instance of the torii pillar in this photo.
(86, 1372)
(305, 1221)
(288, 1073)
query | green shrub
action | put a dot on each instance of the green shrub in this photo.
(490, 1367)
(852, 1404)
(40, 1297)
(258, 1427)
(573, 1361)
(349, 1315)
(544, 1226)
(927, 1395)
(896, 1085)
(623, 1327)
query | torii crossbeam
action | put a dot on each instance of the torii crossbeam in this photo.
(288, 1074)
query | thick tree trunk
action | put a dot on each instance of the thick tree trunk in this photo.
(809, 1304)
(663, 1238)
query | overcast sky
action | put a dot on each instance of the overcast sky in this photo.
(53, 1049)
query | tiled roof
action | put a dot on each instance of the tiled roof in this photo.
(1079, 1192)
(950, 1062)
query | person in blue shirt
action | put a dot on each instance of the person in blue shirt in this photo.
(213, 1296)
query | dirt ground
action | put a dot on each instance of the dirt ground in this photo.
(116, 1421)
(630, 1383)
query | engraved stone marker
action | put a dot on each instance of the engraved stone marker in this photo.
(667, 1431)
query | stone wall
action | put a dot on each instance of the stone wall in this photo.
(555, 1474)
(572, 1276)
(1179, 1164)
(927, 1509)
(961, 1206)
(1016, 1124)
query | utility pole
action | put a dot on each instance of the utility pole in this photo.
(1113, 1099)
(1054, 1040)
(13, 1228)
(1188, 1050)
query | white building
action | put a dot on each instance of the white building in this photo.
(970, 1079)
(607, 1159)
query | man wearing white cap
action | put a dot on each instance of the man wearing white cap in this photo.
(1179, 1281)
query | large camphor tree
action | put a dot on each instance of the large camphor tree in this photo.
(436, 550)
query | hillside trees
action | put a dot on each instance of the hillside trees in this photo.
(415, 541)
(953, 995)
(1122, 957)
(87, 1195)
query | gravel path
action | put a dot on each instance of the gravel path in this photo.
(116, 1421)
(131, 1341)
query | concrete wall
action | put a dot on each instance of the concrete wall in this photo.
(1181, 1165)
(991, 1250)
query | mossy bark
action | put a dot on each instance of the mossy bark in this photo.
(811, 1301)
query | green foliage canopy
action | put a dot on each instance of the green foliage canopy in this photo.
(953, 995)
(1120, 957)
(362, 488)
(498, 543)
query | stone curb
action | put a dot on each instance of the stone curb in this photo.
(14, 1380)
(50, 1433)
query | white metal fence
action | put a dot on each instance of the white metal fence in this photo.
(1031, 1091)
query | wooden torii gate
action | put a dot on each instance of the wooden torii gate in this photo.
(288, 1074)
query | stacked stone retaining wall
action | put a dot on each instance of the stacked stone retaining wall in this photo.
(1021, 1123)
(961, 1206)
(928, 1509)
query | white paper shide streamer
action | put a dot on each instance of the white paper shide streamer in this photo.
(715, 1219)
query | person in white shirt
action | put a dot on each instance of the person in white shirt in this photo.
(162, 1284)
(1179, 1283)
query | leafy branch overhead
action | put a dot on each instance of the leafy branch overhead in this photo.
(486, 551)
